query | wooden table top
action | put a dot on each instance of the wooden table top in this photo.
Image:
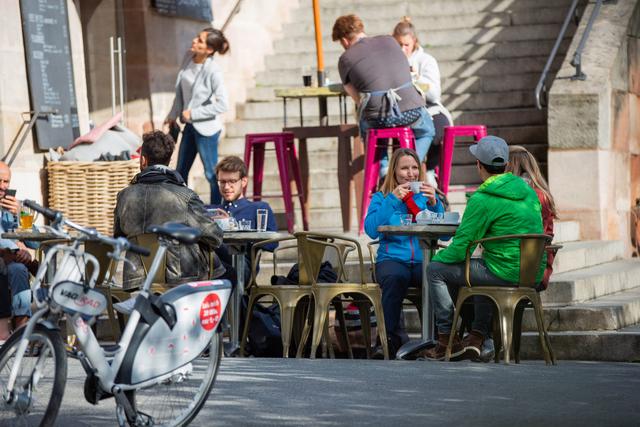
(335, 89)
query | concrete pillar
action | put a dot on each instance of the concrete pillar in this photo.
(593, 127)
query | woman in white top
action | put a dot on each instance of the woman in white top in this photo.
(200, 99)
(424, 69)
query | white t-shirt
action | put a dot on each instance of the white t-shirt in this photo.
(186, 82)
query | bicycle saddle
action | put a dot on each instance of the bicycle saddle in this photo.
(175, 230)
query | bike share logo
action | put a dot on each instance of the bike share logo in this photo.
(210, 310)
(72, 296)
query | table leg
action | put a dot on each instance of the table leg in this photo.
(324, 114)
(344, 180)
(239, 265)
(303, 160)
(427, 310)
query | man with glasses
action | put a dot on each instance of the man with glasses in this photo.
(231, 173)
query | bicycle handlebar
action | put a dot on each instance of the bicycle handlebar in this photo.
(46, 212)
(59, 220)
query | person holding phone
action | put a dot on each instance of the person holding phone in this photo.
(15, 293)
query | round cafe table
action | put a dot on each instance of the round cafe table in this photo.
(428, 236)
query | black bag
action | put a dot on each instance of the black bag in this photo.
(264, 339)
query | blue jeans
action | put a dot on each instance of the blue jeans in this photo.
(444, 276)
(423, 130)
(395, 278)
(16, 283)
(207, 146)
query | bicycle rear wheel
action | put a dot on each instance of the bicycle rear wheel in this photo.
(41, 379)
(177, 400)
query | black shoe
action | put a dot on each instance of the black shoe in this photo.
(378, 352)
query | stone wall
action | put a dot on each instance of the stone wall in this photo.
(594, 135)
(14, 94)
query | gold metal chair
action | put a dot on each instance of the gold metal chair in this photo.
(312, 247)
(507, 299)
(286, 296)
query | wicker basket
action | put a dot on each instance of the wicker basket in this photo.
(86, 191)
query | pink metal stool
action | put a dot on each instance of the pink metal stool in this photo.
(448, 142)
(373, 154)
(286, 156)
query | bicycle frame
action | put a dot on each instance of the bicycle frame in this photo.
(105, 365)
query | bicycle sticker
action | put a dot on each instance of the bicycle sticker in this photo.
(210, 311)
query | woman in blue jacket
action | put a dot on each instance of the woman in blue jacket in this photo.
(399, 258)
(200, 99)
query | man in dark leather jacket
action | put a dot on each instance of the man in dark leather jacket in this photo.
(159, 194)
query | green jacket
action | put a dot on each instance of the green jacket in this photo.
(503, 204)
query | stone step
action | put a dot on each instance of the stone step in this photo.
(566, 231)
(613, 346)
(501, 117)
(610, 312)
(371, 8)
(592, 282)
(452, 85)
(477, 36)
(234, 145)
(587, 253)
(467, 101)
(459, 69)
(508, 117)
(434, 21)
(464, 52)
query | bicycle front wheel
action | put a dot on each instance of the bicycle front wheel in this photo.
(177, 400)
(39, 387)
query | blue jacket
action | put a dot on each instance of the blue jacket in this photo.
(8, 222)
(386, 210)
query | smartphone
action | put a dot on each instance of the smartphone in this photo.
(10, 192)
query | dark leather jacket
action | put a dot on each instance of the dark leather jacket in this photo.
(157, 195)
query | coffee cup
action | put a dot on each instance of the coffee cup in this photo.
(415, 186)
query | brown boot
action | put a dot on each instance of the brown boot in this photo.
(438, 352)
(19, 321)
(472, 344)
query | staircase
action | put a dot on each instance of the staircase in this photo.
(592, 305)
(490, 53)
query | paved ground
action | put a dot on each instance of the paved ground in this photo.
(277, 392)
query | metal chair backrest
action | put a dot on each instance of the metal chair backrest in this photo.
(312, 250)
(100, 251)
(532, 248)
(150, 241)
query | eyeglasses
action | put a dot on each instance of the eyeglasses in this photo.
(222, 183)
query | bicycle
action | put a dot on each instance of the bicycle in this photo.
(163, 367)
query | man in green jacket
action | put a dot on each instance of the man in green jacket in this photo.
(503, 204)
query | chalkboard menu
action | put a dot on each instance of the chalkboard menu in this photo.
(194, 9)
(50, 71)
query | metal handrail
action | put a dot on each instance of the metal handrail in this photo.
(234, 12)
(577, 56)
(541, 83)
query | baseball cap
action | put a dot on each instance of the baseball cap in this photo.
(491, 150)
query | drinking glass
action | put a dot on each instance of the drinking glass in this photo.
(261, 219)
(406, 219)
(244, 224)
(26, 217)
